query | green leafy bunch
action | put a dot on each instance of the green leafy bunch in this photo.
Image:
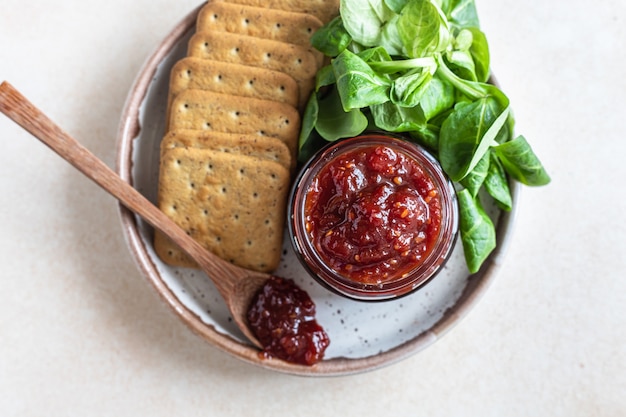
(421, 68)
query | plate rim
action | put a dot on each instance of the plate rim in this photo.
(129, 129)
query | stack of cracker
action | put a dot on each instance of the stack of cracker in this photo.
(232, 127)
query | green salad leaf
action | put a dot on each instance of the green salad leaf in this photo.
(422, 29)
(437, 98)
(332, 39)
(358, 84)
(461, 13)
(521, 163)
(479, 50)
(396, 5)
(394, 118)
(497, 184)
(365, 20)
(467, 134)
(333, 122)
(407, 90)
(478, 229)
(422, 68)
(474, 181)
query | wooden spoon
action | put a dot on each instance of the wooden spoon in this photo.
(236, 285)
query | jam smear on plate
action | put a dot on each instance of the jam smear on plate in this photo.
(282, 316)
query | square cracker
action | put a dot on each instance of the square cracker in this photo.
(294, 60)
(258, 146)
(229, 78)
(233, 205)
(289, 58)
(260, 22)
(205, 110)
(324, 10)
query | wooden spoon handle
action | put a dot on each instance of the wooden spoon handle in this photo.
(24, 113)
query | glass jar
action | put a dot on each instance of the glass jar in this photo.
(373, 217)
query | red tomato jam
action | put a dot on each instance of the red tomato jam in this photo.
(282, 317)
(373, 214)
(373, 217)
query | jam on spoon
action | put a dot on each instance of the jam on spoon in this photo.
(282, 316)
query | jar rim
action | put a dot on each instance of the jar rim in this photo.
(417, 276)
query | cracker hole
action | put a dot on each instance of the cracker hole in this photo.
(192, 185)
(299, 60)
(309, 30)
(277, 25)
(249, 243)
(262, 132)
(223, 190)
(255, 194)
(215, 16)
(205, 212)
(189, 73)
(251, 82)
(207, 125)
(282, 88)
(267, 222)
(236, 216)
(268, 55)
(218, 239)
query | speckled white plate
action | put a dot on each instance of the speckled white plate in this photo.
(364, 336)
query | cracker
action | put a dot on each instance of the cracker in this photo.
(289, 58)
(205, 110)
(233, 205)
(260, 22)
(258, 146)
(228, 78)
(324, 10)
(294, 60)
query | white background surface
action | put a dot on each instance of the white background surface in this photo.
(81, 333)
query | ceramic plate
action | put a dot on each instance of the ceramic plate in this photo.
(364, 336)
